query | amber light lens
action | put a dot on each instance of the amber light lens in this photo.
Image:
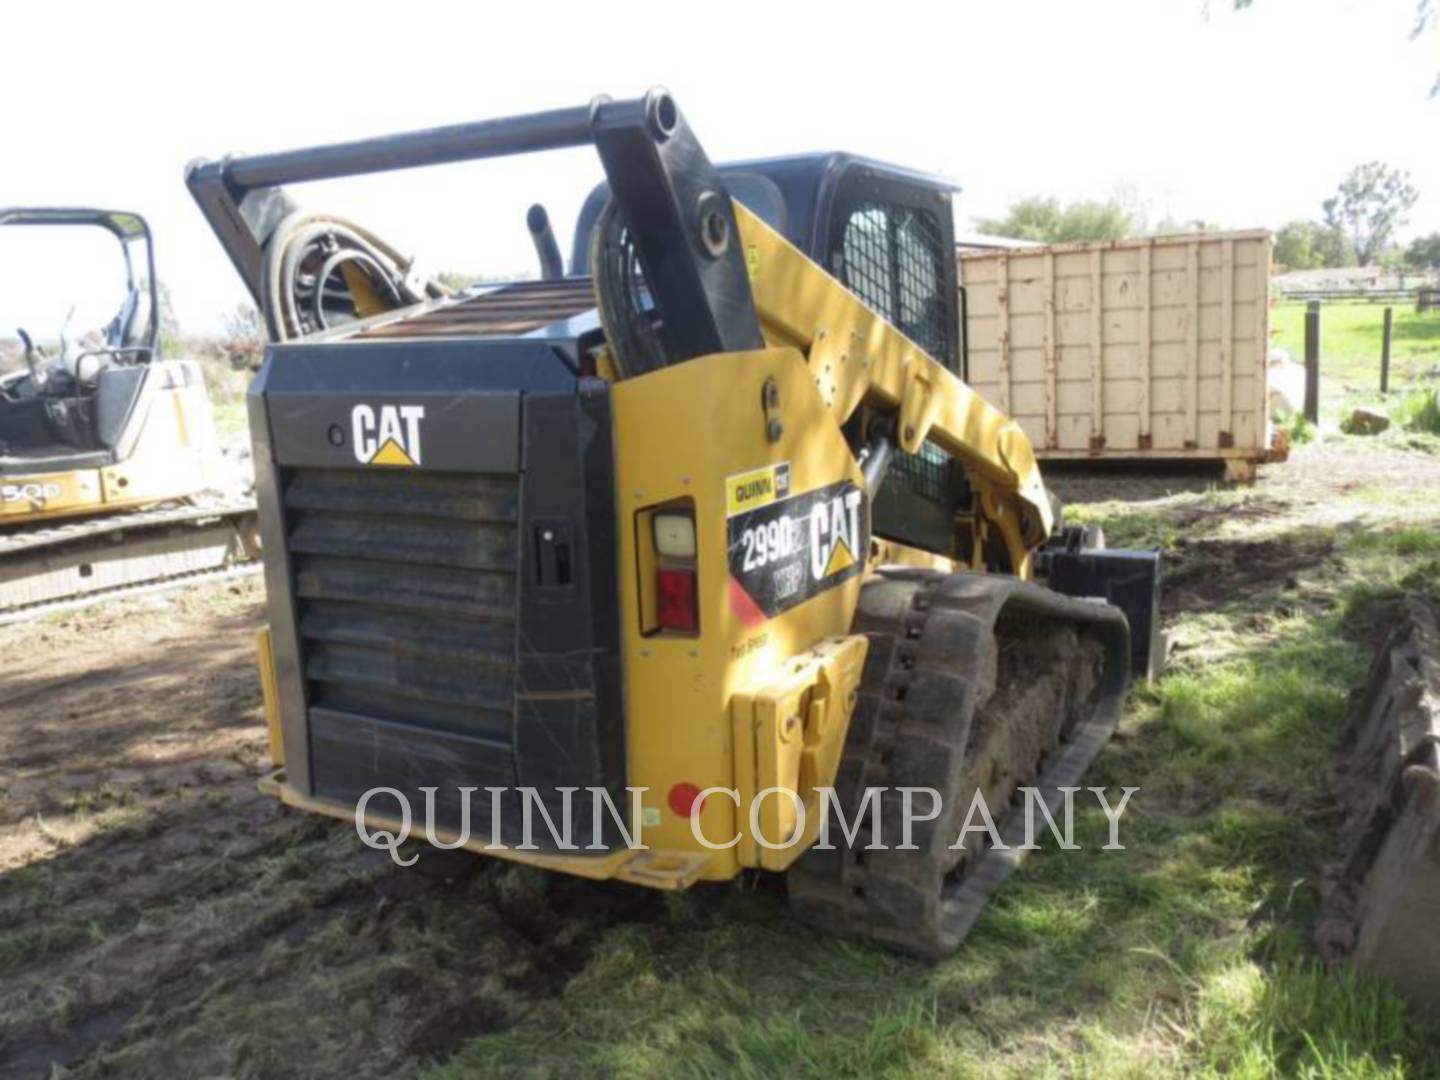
(675, 593)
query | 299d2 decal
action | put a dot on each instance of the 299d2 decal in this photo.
(787, 550)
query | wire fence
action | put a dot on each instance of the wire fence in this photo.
(1374, 296)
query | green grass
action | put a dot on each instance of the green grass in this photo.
(1350, 340)
(1187, 953)
(1397, 541)
(231, 418)
(225, 386)
(1300, 429)
(1418, 411)
(1303, 1021)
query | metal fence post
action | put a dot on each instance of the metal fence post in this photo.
(1385, 352)
(1312, 361)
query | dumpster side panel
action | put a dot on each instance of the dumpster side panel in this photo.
(1127, 349)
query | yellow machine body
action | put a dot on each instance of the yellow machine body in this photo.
(749, 704)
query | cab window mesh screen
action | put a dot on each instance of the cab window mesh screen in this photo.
(866, 267)
(890, 258)
(927, 473)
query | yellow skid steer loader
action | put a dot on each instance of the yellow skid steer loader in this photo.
(705, 541)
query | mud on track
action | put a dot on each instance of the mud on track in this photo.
(158, 916)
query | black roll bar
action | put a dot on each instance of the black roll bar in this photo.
(554, 130)
(672, 199)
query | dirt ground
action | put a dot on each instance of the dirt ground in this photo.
(1313, 476)
(159, 916)
(153, 902)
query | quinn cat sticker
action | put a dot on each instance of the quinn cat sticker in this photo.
(758, 487)
(786, 550)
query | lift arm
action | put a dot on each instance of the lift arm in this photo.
(858, 358)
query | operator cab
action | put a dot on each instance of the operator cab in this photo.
(886, 232)
(70, 405)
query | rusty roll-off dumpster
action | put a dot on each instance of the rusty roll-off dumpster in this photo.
(1134, 350)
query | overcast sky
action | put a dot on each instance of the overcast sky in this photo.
(1246, 118)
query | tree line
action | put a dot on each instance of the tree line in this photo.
(1356, 225)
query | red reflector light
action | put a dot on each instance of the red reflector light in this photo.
(682, 798)
(676, 595)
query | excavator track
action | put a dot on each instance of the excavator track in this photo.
(61, 566)
(971, 682)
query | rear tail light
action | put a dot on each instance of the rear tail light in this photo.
(668, 568)
(674, 535)
(676, 599)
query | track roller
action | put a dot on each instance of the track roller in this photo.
(972, 683)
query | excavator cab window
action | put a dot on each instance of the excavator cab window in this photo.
(67, 407)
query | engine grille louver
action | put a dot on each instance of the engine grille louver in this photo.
(405, 587)
(446, 627)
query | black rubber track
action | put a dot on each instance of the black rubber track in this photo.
(931, 713)
(27, 538)
(29, 553)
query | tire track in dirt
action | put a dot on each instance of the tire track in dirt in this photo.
(160, 916)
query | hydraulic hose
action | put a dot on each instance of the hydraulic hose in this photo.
(304, 237)
(620, 295)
